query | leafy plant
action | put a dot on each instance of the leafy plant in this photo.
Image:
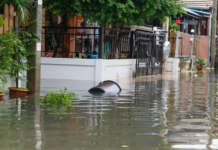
(21, 6)
(7, 44)
(2, 22)
(14, 51)
(200, 61)
(173, 26)
(115, 12)
(4, 64)
(3, 82)
(58, 100)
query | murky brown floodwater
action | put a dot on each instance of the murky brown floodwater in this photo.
(156, 115)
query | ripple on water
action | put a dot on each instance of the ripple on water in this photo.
(169, 114)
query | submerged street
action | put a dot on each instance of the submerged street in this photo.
(173, 113)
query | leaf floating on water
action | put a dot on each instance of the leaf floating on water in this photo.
(124, 146)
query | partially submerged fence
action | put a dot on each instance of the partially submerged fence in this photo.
(186, 45)
(149, 52)
(85, 42)
(8, 17)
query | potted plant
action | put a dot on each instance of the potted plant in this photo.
(4, 61)
(15, 51)
(4, 64)
(3, 82)
(20, 53)
(8, 42)
(200, 62)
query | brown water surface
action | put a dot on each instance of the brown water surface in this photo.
(178, 113)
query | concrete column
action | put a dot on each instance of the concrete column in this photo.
(177, 44)
(166, 27)
(99, 70)
(33, 75)
(213, 36)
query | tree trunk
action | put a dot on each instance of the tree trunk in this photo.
(17, 80)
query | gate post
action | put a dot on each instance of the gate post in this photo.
(131, 44)
(101, 43)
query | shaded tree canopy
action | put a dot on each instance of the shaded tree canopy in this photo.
(115, 12)
(21, 6)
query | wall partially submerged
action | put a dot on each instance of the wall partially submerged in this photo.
(87, 69)
(83, 74)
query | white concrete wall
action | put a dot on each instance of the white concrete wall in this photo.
(171, 65)
(86, 69)
(82, 74)
(118, 69)
(68, 69)
(171, 69)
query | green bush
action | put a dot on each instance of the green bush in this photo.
(7, 44)
(200, 61)
(14, 51)
(1, 21)
(3, 82)
(173, 26)
(58, 99)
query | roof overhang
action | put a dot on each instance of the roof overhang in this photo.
(196, 13)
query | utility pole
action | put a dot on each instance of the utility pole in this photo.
(33, 75)
(213, 36)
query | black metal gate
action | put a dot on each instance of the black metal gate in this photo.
(148, 51)
(84, 42)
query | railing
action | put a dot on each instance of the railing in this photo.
(149, 52)
(84, 42)
(118, 43)
(71, 42)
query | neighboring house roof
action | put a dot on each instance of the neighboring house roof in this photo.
(197, 3)
(191, 11)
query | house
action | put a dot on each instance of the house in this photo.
(197, 3)
(192, 39)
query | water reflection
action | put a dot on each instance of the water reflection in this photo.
(190, 115)
(161, 114)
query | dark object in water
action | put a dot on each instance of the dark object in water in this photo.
(106, 87)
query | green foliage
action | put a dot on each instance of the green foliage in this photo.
(7, 44)
(3, 82)
(173, 26)
(115, 12)
(59, 6)
(14, 51)
(21, 6)
(58, 102)
(57, 99)
(2, 22)
(200, 61)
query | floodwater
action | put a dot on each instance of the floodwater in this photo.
(174, 113)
